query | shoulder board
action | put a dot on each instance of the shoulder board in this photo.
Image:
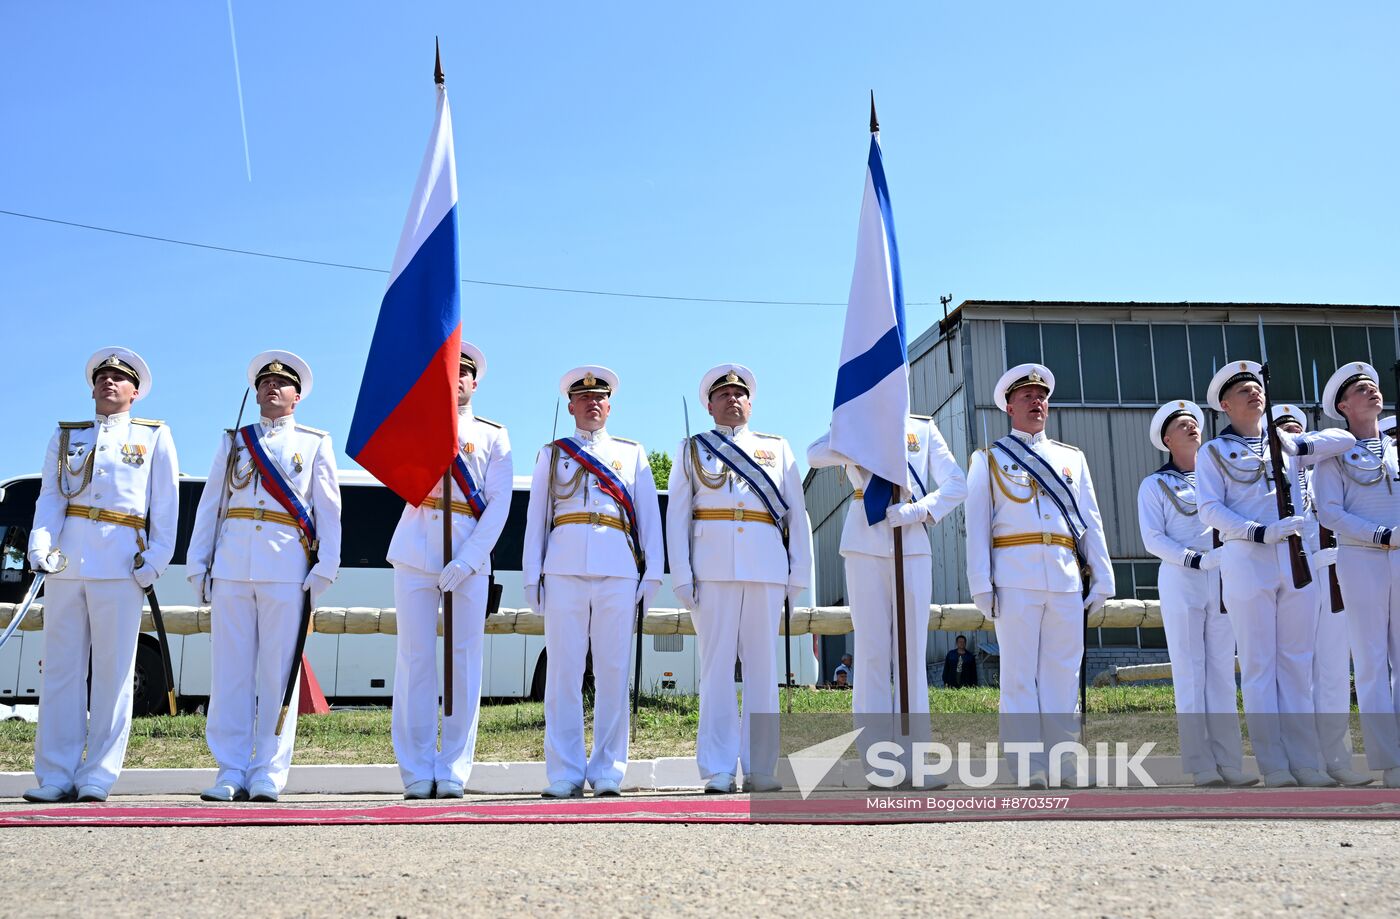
(1060, 443)
(769, 436)
(626, 441)
(317, 431)
(148, 422)
(74, 425)
(921, 417)
(494, 424)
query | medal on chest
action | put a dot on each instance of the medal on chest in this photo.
(134, 454)
(765, 457)
(912, 442)
(297, 463)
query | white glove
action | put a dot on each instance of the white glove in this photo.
(533, 597)
(686, 596)
(1276, 533)
(145, 576)
(985, 604)
(1212, 559)
(1323, 558)
(454, 575)
(646, 590)
(316, 585)
(40, 562)
(903, 515)
(1095, 603)
(199, 586)
(1288, 442)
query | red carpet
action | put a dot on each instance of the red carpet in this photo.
(826, 808)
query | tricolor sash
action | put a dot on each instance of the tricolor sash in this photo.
(1049, 481)
(743, 465)
(611, 485)
(463, 477)
(275, 481)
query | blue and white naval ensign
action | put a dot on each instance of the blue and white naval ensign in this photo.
(733, 494)
(934, 487)
(429, 768)
(247, 556)
(593, 551)
(104, 529)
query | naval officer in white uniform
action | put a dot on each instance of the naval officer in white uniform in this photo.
(593, 552)
(1031, 516)
(1358, 498)
(739, 542)
(1275, 623)
(104, 530)
(1199, 639)
(420, 579)
(249, 556)
(935, 486)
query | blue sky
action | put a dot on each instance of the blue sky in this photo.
(1199, 151)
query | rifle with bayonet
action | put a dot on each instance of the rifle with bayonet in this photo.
(1283, 487)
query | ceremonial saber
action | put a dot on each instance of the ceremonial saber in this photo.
(164, 639)
(294, 676)
(32, 594)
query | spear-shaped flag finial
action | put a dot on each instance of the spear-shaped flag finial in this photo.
(874, 122)
(438, 76)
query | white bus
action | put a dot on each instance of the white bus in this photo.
(352, 669)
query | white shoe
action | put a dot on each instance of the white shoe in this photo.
(562, 789)
(1237, 778)
(265, 792)
(1391, 778)
(1314, 778)
(606, 788)
(449, 789)
(757, 784)
(721, 784)
(1350, 777)
(92, 794)
(48, 794)
(418, 791)
(1207, 779)
(1037, 781)
(223, 791)
(1280, 778)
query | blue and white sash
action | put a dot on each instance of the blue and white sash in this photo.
(1049, 481)
(922, 490)
(744, 466)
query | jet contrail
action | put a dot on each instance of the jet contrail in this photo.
(238, 79)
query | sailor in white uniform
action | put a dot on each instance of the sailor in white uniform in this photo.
(593, 552)
(483, 465)
(1357, 494)
(934, 488)
(1032, 521)
(1331, 670)
(739, 542)
(250, 555)
(1275, 623)
(104, 530)
(1199, 638)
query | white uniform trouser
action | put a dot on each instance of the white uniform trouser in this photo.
(1331, 679)
(1275, 627)
(414, 724)
(1040, 634)
(579, 611)
(82, 616)
(1201, 644)
(1370, 580)
(870, 586)
(253, 631)
(738, 619)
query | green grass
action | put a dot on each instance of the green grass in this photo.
(515, 731)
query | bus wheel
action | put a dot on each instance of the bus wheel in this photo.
(148, 680)
(537, 682)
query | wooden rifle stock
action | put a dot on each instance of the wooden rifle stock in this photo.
(1328, 540)
(1283, 489)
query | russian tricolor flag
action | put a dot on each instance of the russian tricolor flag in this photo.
(405, 426)
(872, 384)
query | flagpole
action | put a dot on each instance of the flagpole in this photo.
(447, 652)
(901, 638)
